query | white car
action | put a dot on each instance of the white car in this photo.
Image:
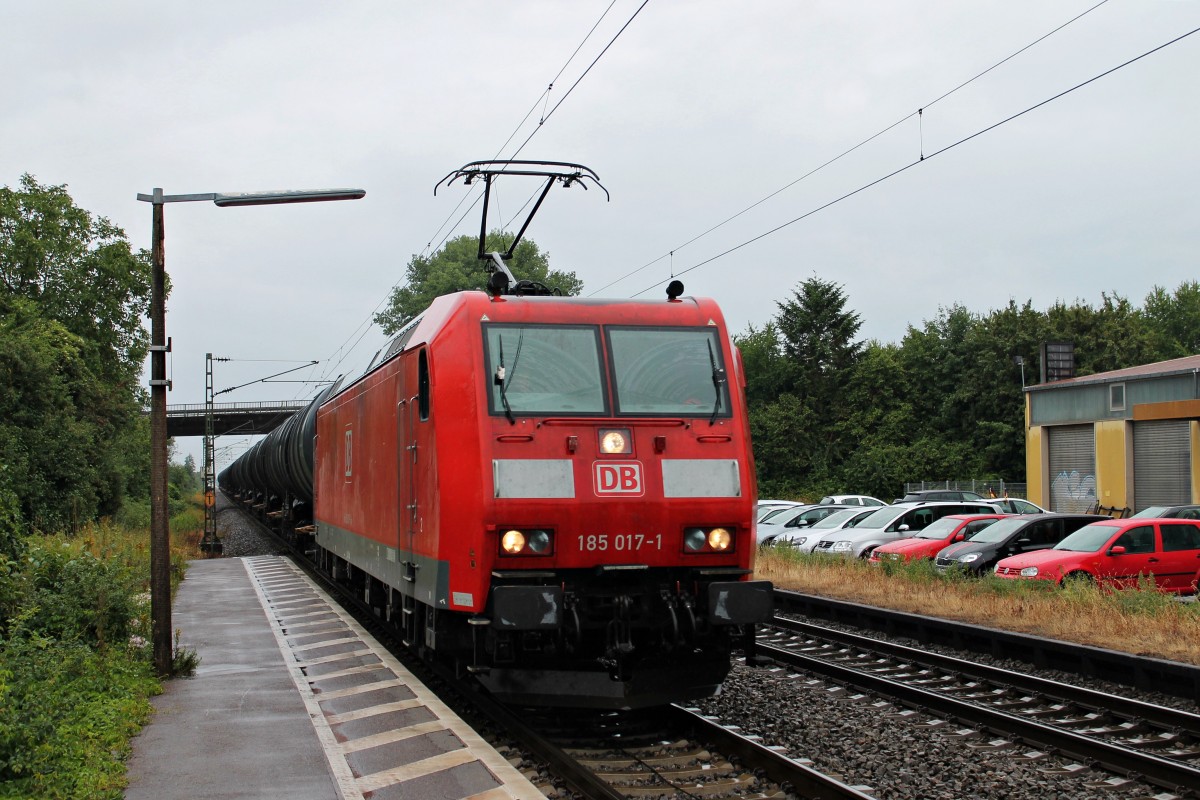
(850, 500)
(772, 524)
(766, 507)
(805, 539)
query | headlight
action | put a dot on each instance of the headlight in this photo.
(968, 558)
(841, 547)
(614, 441)
(719, 539)
(513, 542)
(799, 540)
(1029, 572)
(707, 540)
(536, 542)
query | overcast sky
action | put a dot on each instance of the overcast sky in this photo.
(697, 111)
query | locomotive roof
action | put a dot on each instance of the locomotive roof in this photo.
(478, 305)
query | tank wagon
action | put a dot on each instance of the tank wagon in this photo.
(557, 493)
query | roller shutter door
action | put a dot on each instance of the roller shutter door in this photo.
(1072, 468)
(1162, 463)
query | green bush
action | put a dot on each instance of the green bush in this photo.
(77, 597)
(69, 712)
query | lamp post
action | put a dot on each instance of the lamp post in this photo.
(160, 543)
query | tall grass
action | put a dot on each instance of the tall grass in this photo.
(1141, 620)
(75, 654)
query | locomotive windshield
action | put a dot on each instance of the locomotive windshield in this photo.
(544, 369)
(557, 369)
(669, 371)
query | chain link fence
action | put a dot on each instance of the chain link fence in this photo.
(994, 487)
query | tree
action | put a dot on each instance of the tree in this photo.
(1175, 320)
(72, 296)
(80, 271)
(797, 368)
(456, 267)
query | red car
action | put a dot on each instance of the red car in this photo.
(931, 539)
(1116, 553)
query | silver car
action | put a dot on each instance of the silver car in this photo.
(889, 524)
(805, 539)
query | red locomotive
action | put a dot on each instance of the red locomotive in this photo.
(556, 492)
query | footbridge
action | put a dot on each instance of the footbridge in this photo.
(247, 418)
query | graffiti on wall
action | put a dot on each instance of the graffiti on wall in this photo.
(1073, 492)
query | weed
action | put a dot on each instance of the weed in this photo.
(1140, 620)
(184, 660)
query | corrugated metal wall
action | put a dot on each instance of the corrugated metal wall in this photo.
(1072, 456)
(1162, 463)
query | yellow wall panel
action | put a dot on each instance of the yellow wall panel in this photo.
(1114, 450)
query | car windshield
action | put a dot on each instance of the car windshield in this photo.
(880, 518)
(939, 528)
(669, 371)
(785, 515)
(771, 515)
(1087, 539)
(1000, 530)
(837, 518)
(1152, 511)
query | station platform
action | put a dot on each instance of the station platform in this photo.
(293, 699)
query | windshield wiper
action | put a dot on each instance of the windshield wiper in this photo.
(718, 378)
(500, 380)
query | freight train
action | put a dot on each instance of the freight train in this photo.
(556, 493)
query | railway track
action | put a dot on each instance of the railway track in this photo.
(671, 752)
(1155, 744)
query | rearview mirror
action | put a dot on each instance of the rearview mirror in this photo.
(1116, 550)
(958, 537)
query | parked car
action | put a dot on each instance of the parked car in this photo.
(793, 519)
(1178, 512)
(1015, 505)
(890, 523)
(940, 495)
(766, 507)
(1115, 553)
(850, 500)
(1010, 536)
(805, 539)
(939, 533)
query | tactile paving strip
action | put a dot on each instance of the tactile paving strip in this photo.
(384, 733)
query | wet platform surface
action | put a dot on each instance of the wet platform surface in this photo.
(292, 699)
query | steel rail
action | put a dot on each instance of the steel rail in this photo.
(1151, 674)
(803, 780)
(1126, 707)
(1173, 775)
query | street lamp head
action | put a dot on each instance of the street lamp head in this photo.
(297, 196)
(223, 199)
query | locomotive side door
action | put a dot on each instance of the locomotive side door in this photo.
(406, 471)
(410, 411)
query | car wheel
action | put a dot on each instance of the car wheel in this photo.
(1078, 579)
(866, 554)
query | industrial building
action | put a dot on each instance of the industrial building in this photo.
(1125, 439)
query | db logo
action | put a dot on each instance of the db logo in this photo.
(618, 477)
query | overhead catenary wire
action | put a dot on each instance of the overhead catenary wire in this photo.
(844, 153)
(924, 159)
(335, 360)
(542, 100)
